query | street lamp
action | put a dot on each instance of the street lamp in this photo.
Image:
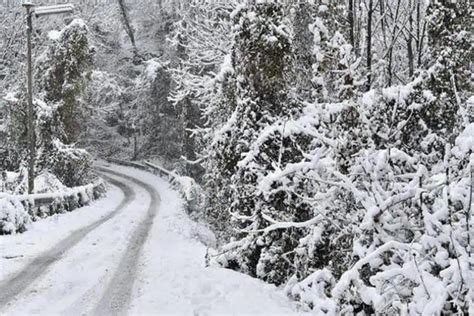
(53, 9)
(38, 12)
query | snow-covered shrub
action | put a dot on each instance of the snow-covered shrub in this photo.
(314, 292)
(46, 182)
(73, 166)
(13, 216)
(192, 193)
(390, 234)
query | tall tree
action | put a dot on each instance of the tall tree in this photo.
(127, 23)
(61, 73)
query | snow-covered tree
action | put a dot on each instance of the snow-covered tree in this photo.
(201, 39)
(245, 149)
(61, 74)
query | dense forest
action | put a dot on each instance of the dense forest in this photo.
(331, 141)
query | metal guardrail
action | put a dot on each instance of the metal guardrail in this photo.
(163, 172)
(127, 163)
(97, 190)
(42, 199)
(192, 203)
(47, 204)
(147, 166)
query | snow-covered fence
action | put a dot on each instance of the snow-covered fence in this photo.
(70, 196)
(187, 186)
(163, 172)
(16, 211)
(127, 163)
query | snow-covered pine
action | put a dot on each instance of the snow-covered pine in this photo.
(61, 71)
(253, 143)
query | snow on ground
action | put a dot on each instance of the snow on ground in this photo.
(75, 283)
(18, 250)
(173, 279)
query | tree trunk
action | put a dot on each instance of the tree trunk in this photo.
(357, 27)
(410, 57)
(351, 23)
(127, 25)
(420, 33)
(369, 44)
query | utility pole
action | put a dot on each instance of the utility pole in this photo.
(30, 110)
(39, 11)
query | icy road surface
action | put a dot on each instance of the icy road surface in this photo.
(134, 252)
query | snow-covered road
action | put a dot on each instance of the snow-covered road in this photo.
(135, 252)
(19, 281)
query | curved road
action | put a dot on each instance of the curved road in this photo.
(110, 294)
(117, 297)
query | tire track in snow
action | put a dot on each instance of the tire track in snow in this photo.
(116, 299)
(13, 286)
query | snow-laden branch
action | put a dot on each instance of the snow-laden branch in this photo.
(352, 274)
(284, 225)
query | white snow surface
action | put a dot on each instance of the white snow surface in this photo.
(172, 276)
(18, 250)
(175, 280)
(54, 35)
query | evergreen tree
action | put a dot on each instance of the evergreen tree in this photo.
(247, 149)
(61, 74)
(452, 52)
